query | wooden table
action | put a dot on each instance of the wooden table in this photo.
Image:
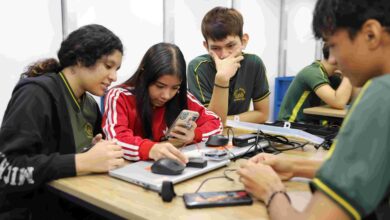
(129, 201)
(326, 111)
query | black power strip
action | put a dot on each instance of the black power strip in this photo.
(244, 140)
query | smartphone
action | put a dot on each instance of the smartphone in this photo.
(217, 199)
(185, 117)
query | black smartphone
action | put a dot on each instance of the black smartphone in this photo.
(217, 199)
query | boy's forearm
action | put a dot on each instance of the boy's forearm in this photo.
(219, 102)
(305, 168)
(343, 92)
(251, 116)
(280, 208)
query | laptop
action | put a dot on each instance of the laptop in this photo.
(139, 173)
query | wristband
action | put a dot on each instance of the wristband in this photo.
(219, 86)
(274, 194)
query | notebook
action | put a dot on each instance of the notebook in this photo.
(139, 173)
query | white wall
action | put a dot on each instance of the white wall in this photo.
(30, 30)
(262, 22)
(188, 19)
(300, 45)
(36, 31)
(139, 24)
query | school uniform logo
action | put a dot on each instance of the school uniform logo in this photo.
(88, 130)
(239, 95)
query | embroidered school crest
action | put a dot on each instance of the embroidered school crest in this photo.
(88, 130)
(239, 94)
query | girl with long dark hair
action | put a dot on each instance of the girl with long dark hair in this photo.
(139, 112)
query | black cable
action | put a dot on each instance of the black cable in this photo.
(255, 145)
(270, 139)
(229, 129)
(282, 140)
(216, 177)
(228, 177)
(249, 149)
(204, 181)
(230, 152)
(326, 144)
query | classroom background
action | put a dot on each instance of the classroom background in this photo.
(279, 32)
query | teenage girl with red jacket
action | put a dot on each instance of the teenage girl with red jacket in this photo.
(139, 112)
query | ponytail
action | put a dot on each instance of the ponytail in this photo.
(41, 67)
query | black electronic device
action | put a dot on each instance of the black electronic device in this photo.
(167, 191)
(325, 132)
(328, 133)
(196, 162)
(217, 140)
(216, 199)
(244, 140)
(216, 154)
(167, 166)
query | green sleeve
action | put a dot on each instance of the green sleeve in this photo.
(313, 77)
(356, 174)
(199, 84)
(261, 89)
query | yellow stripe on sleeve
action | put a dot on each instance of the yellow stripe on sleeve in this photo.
(298, 106)
(337, 198)
(332, 148)
(197, 80)
(262, 97)
(368, 83)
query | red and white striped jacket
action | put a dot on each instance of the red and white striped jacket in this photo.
(121, 121)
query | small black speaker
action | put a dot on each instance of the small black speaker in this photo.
(167, 192)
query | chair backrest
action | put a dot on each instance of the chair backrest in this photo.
(281, 86)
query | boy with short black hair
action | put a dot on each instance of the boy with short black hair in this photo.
(354, 180)
(317, 84)
(227, 80)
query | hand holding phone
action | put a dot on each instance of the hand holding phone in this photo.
(181, 136)
(182, 129)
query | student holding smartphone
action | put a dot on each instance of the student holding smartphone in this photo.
(139, 112)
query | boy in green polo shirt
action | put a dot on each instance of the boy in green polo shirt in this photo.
(227, 80)
(354, 180)
(316, 84)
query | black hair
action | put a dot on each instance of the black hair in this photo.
(325, 51)
(160, 59)
(85, 45)
(221, 22)
(330, 15)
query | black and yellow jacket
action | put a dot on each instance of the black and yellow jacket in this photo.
(36, 146)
